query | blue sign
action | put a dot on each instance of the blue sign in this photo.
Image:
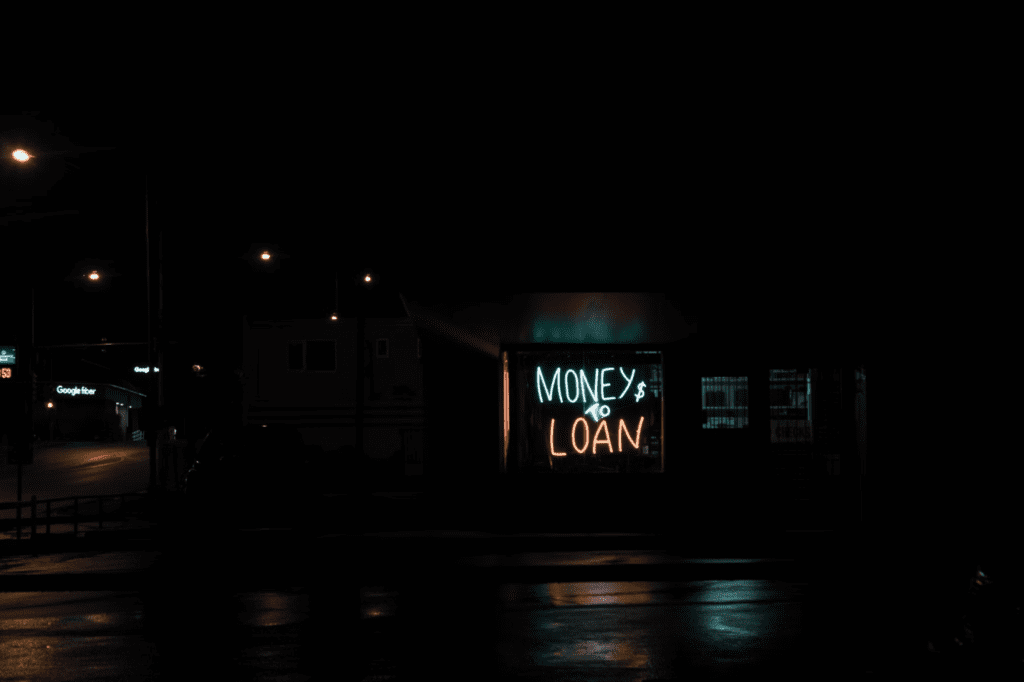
(7, 355)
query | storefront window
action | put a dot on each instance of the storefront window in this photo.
(789, 394)
(593, 411)
(725, 402)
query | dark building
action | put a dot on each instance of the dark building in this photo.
(78, 411)
(303, 373)
(618, 407)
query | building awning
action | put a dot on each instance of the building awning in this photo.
(87, 390)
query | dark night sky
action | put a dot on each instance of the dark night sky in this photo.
(441, 203)
(458, 210)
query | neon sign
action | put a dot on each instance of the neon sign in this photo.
(77, 390)
(596, 410)
(603, 426)
(581, 384)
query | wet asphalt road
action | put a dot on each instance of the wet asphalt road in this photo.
(188, 618)
(414, 618)
(593, 631)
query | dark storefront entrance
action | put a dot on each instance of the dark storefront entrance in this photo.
(585, 410)
(719, 425)
(76, 411)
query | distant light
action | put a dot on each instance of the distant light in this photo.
(334, 317)
(94, 275)
(266, 255)
(366, 279)
(50, 404)
(197, 368)
(21, 155)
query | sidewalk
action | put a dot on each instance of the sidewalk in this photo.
(125, 560)
(433, 545)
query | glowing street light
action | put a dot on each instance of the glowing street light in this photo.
(155, 354)
(265, 255)
(366, 279)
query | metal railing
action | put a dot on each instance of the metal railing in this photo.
(79, 515)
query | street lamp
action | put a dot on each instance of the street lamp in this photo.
(154, 324)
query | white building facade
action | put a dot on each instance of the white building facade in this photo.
(303, 373)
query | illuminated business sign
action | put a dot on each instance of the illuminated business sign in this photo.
(593, 411)
(7, 355)
(145, 370)
(76, 390)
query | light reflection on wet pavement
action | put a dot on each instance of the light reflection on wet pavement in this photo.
(593, 631)
(602, 631)
(494, 620)
(107, 636)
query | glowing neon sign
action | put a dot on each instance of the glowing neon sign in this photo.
(76, 390)
(602, 426)
(581, 384)
(596, 410)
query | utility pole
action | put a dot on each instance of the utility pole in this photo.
(154, 334)
(360, 369)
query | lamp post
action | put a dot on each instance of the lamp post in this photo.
(367, 281)
(154, 337)
(154, 333)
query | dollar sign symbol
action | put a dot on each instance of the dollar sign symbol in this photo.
(640, 391)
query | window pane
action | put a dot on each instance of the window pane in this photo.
(789, 393)
(725, 402)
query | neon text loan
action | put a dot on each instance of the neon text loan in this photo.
(602, 436)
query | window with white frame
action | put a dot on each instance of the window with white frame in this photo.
(725, 402)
